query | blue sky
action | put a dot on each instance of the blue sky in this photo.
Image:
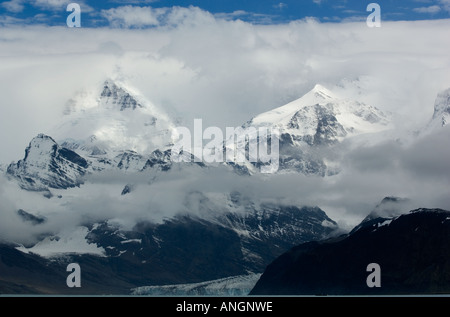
(108, 13)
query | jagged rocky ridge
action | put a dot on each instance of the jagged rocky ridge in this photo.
(46, 164)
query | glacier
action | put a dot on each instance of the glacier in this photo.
(231, 286)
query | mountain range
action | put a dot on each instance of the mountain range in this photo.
(113, 136)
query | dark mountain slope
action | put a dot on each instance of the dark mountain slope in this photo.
(413, 252)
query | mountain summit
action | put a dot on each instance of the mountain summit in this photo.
(109, 127)
(46, 164)
(115, 95)
(321, 117)
(112, 118)
(311, 124)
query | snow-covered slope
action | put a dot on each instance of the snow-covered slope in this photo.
(66, 242)
(322, 118)
(112, 128)
(46, 164)
(309, 126)
(441, 115)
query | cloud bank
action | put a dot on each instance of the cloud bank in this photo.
(417, 171)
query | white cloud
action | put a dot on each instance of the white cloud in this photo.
(431, 9)
(131, 16)
(14, 6)
(144, 17)
(192, 16)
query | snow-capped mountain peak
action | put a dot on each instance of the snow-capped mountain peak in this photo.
(322, 117)
(318, 94)
(112, 118)
(46, 164)
(115, 95)
(40, 146)
(283, 114)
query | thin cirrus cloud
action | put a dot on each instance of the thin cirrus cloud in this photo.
(280, 6)
(51, 4)
(14, 6)
(430, 9)
(434, 8)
